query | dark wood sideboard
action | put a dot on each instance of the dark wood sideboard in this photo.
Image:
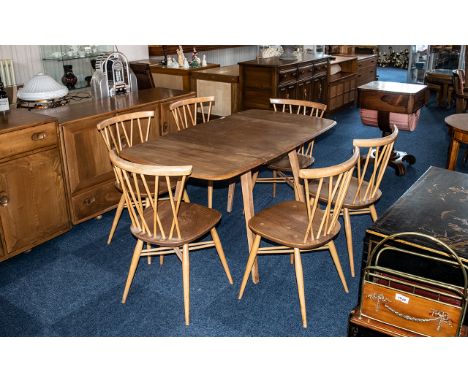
(262, 79)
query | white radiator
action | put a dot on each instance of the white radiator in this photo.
(7, 72)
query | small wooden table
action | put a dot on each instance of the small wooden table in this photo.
(458, 130)
(392, 97)
(441, 78)
(234, 146)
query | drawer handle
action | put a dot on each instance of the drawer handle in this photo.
(89, 201)
(4, 200)
(39, 136)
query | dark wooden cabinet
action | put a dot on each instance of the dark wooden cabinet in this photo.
(262, 79)
(33, 205)
(366, 69)
(89, 175)
(342, 82)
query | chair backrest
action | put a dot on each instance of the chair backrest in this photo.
(458, 81)
(189, 111)
(126, 130)
(369, 173)
(296, 106)
(336, 180)
(136, 181)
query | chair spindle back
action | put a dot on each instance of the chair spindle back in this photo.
(295, 106)
(186, 112)
(136, 180)
(322, 222)
(380, 149)
(126, 130)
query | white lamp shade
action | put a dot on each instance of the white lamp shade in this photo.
(42, 87)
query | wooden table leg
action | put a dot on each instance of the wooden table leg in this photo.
(247, 196)
(298, 189)
(453, 154)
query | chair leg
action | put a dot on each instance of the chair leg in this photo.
(219, 249)
(186, 197)
(349, 239)
(336, 260)
(210, 194)
(274, 182)
(133, 267)
(118, 213)
(250, 263)
(373, 212)
(300, 285)
(230, 201)
(186, 282)
(149, 260)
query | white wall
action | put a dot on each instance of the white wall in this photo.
(134, 52)
(26, 60)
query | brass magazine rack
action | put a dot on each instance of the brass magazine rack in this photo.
(414, 305)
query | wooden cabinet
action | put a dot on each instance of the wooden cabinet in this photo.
(366, 69)
(262, 79)
(342, 82)
(33, 205)
(89, 175)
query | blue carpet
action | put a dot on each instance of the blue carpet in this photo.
(72, 285)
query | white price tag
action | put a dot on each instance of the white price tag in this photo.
(4, 105)
(401, 298)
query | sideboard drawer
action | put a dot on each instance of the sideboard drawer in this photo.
(306, 72)
(320, 69)
(28, 139)
(288, 75)
(95, 201)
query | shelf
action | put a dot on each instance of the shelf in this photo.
(340, 76)
(72, 58)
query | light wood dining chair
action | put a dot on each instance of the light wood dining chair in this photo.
(298, 227)
(172, 225)
(190, 112)
(281, 167)
(124, 131)
(364, 189)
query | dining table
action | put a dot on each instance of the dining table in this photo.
(235, 146)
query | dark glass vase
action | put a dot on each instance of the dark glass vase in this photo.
(69, 79)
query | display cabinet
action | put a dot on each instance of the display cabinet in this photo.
(75, 59)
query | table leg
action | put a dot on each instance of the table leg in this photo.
(247, 196)
(298, 189)
(453, 154)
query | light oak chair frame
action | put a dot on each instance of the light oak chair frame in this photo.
(187, 113)
(159, 224)
(293, 106)
(321, 224)
(124, 131)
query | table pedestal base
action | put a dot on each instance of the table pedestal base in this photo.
(396, 161)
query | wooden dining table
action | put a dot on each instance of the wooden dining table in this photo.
(235, 146)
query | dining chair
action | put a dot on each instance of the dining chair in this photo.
(296, 226)
(461, 93)
(281, 167)
(364, 189)
(170, 226)
(124, 131)
(190, 112)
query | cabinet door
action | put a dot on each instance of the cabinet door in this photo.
(87, 157)
(319, 89)
(288, 91)
(33, 200)
(305, 90)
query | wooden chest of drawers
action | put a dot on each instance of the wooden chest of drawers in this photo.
(366, 69)
(262, 79)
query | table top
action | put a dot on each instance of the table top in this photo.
(440, 73)
(393, 87)
(458, 121)
(436, 205)
(227, 147)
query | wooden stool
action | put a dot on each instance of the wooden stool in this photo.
(458, 130)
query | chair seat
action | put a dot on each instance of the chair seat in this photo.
(194, 221)
(150, 182)
(286, 223)
(283, 163)
(349, 201)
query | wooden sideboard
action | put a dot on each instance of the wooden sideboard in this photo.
(341, 82)
(366, 68)
(89, 176)
(173, 78)
(266, 78)
(33, 205)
